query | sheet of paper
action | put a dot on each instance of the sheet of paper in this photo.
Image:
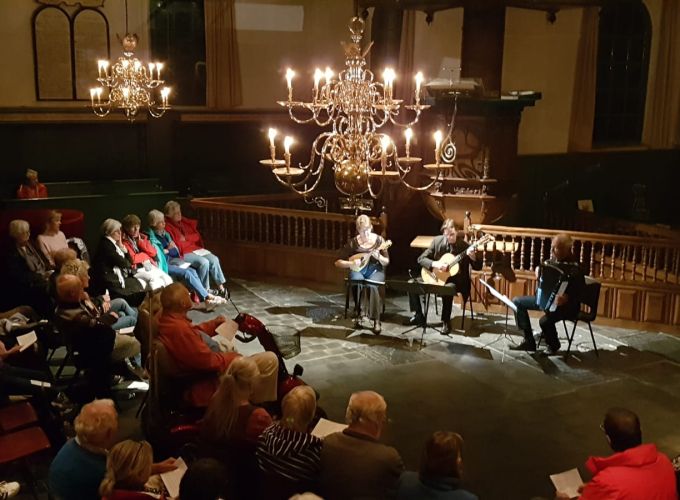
(127, 330)
(567, 482)
(40, 383)
(27, 340)
(172, 479)
(499, 296)
(325, 427)
(227, 329)
(138, 385)
(184, 265)
(201, 252)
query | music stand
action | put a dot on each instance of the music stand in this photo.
(419, 288)
(509, 304)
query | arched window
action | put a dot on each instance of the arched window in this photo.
(90, 43)
(52, 54)
(622, 66)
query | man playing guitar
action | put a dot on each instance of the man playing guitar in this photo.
(450, 241)
(567, 303)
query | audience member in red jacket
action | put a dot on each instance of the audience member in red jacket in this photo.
(143, 253)
(186, 343)
(32, 188)
(634, 471)
(185, 233)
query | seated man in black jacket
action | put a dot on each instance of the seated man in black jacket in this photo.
(568, 303)
(450, 241)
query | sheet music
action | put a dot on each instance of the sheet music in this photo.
(227, 329)
(499, 296)
(325, 427)
(172, 479)
(567, 482)
(27, 340)
(201, 251)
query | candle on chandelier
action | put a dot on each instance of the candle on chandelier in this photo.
(385, 142)
(159, 67)
(408, 133)
(102, 65)
(289, 81)
(93, 92)
(151, 68)
(419, 81)
(272, 148)
(388, 78)
(328, 76)
(126, 92)
(437, 145)
(287, 142)
(165, 92)
(137, 66)
(318, 74)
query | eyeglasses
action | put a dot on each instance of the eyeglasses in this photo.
(602, 428)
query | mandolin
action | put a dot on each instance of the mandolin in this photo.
(440, 277)
(365, 257)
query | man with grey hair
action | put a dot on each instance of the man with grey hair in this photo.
(568, 303)
(80, 465)
(353, 463)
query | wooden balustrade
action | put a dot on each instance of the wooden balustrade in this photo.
(276, 233)
(639, 275)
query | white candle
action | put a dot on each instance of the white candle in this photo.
(164, 95)
(101, 64)
(388, 78)
(289, 81)
(151, 68)
(437, 145)
(93, 92)
(385, 142)
(328, 75)
(159, 67)
(408, 133)
(318, 74)
(272, 135)
(419, 81)
(99, 94)
(287, 141)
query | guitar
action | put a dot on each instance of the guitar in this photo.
(365, 257)
(440, 277)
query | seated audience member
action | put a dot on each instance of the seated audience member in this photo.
(635, 470)
(112, 268)
(128, 468)
(170, 259)
(118, 309)
(187, 238)
(143, 253)
(441, 471)
(185, 343)
(27, 270)
(287, 453)
(60, 257)
(205, 479)
(52, 239)
(353, 463)
(31, 187)
(9, 490)
(568, 303)
(80, 466)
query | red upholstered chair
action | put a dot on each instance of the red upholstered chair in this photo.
(19, 445)
(17, 415)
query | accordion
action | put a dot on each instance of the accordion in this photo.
(553, 281)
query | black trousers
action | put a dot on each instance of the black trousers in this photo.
(415, 303)
(547, 322)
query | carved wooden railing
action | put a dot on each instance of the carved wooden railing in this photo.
(639, 275)
(275, 220)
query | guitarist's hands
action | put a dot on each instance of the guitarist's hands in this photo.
(439, 266)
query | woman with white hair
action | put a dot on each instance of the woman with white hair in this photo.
(368, 251)
(27, 270)
(143, 254)
(112, 268)
(170, 259)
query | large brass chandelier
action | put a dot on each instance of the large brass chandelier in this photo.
(129, 84)
(355, 107)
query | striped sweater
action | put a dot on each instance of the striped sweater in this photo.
(293, 455)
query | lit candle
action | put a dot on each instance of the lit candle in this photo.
(272, 148)
(289, 80)
(126, 92)
(159, 67)
(409, 134)
(99, 95)
(287, 141)
(101, 64)
(419, 81)
(328, 75)
(137, 65)
(318, 74)
(437, 145)
(164, 95)
(151, 67)
(388, 78)
(385, 142)
(93, 92)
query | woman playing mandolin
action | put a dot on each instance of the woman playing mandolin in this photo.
(366, 257)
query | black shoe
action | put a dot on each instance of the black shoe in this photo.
(446, 328)
(524, 346)
(552, 350)
(416, 320)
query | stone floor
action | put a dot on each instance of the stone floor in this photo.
(523, 416)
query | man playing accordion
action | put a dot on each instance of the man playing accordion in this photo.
(559, 296)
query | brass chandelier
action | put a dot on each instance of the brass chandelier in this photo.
(355, 107)
(129, 84)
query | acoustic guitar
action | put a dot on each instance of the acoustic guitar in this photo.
(365, 257)
(440, 277)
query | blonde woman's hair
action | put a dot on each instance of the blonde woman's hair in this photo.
(298, 408)
(62, 256)
(237, 383)
(75, 267)
(128, 467)
(363, 222)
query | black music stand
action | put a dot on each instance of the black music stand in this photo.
(419, 288)
(508, 305)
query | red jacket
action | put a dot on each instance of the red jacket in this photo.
(634, 474)
(145, 250)
(185, 233)
(28, 192)
(183, 342)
